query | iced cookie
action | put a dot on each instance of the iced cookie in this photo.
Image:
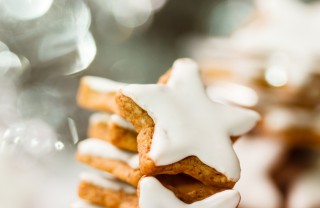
(231, 93)
(186, 188)
(153, 194)
(102, 155)
(104, 190)
(113, 128)
(258, 157)
(182, 131)
(98, 93)
(297, 126)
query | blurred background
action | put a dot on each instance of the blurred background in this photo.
(271, 47)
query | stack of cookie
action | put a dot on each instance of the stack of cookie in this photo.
(111, 148)
(175, 152)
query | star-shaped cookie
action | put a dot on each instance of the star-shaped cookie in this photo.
(180, 128)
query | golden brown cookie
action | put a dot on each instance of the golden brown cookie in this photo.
(186, 188)
(296, 126)
(107, 192)
(191, 165)
(103, 156)
(113, 129)
(96, 93)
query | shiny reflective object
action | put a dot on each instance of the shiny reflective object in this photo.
(59, 145)
(86, 50)
(27, 9)
(56, 45)
(49, 107)
(33, 137)
(131, 13)
(3, 47)
(8, 93)
(56, 39)
(73, 130)
(9, 61)
(81, 50)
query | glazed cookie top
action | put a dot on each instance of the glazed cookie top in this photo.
(103, 84)
(100, 148)
(112, 118)
(188, 123)
(100, 118)
(107, 181)
(150, 187)
(121, 122)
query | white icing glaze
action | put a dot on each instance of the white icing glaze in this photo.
(154, 194)
(100, 148)
(102, 84)
(134, 161)
(100, 118)
(256, 157)
(188, 123)
(112, 118)
(306, 190)
(121, 122)
(107, 181)
(83, 204)
(227, 92)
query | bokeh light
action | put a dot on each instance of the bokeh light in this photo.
(32, 137)
(131, 13)
(86, 52)
(276, 76)
(26, 9)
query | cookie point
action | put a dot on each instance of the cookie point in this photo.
(185, 62)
